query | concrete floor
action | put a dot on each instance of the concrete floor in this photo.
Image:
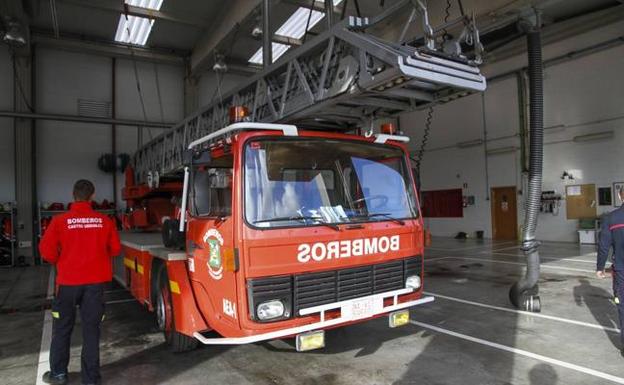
(469, 335)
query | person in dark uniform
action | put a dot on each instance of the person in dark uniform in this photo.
(612, 235)
(80, 243)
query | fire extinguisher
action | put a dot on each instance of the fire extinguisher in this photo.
(7, 228)
(45, 222)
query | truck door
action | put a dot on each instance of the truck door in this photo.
(211, 241)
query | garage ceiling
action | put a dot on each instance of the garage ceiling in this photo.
(182, 27)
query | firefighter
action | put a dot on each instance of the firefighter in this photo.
(612, 235)
(80, 243)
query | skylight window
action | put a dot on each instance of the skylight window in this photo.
(296, 24)
(295, 28)
(278, 50)
(135, 29)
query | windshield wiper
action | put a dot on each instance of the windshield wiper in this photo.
(300, 218)
(385, 215)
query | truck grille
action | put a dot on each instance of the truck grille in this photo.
(313, 289)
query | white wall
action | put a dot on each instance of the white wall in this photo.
(170, 79)
(583, 90)
(448, 167)
(69, 151)
(7, 163)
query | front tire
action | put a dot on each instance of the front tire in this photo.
(165, 319)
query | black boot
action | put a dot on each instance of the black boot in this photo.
(57, 379)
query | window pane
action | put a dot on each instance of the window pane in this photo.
(212, 189)
(308, 181)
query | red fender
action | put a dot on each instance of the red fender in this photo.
(188, 319)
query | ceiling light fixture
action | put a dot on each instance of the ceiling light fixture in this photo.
(470, 143)
(596, 136)
(14, 36)
(502, 150)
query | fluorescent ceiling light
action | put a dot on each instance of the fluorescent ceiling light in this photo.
(278, 50)
(134, 29)
(470, 143)
(295, 28)
(502, 150)
(596, 136)
(149, 4)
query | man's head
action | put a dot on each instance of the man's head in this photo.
(84, 191)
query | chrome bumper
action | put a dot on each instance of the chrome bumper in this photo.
(346, 316)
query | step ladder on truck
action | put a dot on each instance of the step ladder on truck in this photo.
(276, 217)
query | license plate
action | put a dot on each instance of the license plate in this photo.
(362, 308)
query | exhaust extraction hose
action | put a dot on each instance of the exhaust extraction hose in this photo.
(523, 294)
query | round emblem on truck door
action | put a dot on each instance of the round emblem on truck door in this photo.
(214, 241)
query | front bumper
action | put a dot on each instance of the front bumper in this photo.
(346, 315)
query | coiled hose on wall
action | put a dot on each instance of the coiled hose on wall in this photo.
(524, 293)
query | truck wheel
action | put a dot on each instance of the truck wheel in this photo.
(165, 320)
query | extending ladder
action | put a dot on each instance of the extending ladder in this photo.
(340, 80)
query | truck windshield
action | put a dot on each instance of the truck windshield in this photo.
(304, 182)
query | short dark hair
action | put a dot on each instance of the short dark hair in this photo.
(83, 190)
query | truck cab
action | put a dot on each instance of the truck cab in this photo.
(285, 232)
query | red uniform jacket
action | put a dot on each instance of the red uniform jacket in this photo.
(81, 243)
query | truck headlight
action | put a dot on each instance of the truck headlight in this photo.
(270, 309)
(413, 281)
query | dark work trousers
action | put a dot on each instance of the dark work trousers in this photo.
(90, 299)
(618, 291)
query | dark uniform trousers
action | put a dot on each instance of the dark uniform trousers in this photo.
(90, 300)
(618, 292)
(612, 236)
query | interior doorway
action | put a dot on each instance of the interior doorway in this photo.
(504, 213)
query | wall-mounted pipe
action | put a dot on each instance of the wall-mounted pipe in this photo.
(485, 148)
(329, 13)
(83, 119)
(267, 45)
(114, 126)
(33, 160)
(524, 293)
(522, 129)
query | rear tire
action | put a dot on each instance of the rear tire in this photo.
(165, 319)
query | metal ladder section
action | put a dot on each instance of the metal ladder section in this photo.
(339, 80)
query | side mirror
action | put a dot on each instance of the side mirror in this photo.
(202, 157)
(190, 157)
(172, 236)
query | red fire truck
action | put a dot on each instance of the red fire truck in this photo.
(276, 232)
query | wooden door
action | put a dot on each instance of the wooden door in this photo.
(504, 213)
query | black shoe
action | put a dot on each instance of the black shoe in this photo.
(58, 379)
(622, 352)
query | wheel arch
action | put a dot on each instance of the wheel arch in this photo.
(188, 318)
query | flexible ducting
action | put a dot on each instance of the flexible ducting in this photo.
(523, 294)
